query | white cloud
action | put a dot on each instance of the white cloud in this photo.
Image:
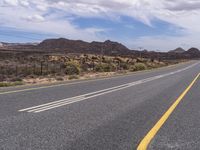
(11, 2)
(183, 5)
(24, 3)
(34, 18)
(38, 16)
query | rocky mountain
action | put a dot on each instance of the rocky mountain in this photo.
(62, 44)
(178, 50)
(193, 52)
(78, 46)
(108, 47)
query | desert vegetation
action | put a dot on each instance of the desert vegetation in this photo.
(63, 59)
(20, 68)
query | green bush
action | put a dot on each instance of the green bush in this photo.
(6, 84)
(138, 67)
(17, 83)
(72, 68)
(104, 68)
(107, 67)
(98, 68)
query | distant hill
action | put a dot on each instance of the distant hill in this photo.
(193, 52)
(178, 50)
(62, 45)
(78, 46)
(17, 46)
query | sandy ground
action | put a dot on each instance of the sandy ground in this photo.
(50, 79)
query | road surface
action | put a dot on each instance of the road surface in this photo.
(106, 114)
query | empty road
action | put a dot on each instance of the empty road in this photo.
(158, 109)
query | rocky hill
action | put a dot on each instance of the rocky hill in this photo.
(78, 46)
(108, 47)
(178, 50)
(193, 53)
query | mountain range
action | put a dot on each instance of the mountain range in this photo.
(108, 47)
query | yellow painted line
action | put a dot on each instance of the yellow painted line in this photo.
(151, 134)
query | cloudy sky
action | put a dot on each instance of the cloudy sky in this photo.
(151, 24)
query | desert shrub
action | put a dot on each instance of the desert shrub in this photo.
(124, 66)
(139, 60)
(62, 65)
(59, 79)
(162, 64)
(53, 71)
(152, 59)
(98, 68)
(37, 71)
(24, 71)
(104, 68)
(138, 66)
(155, 65)
(17, 83)
(9, 71)
(72, 68)
(71, 77)
(85, 67)
(150, 65)
(6, 84)
(16, 79)
(107, 67)
(112, 67)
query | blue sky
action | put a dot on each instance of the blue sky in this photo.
(125, 28)
(15, 35)
(151, 24)
(128, 27)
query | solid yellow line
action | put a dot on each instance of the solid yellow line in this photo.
(150, 135)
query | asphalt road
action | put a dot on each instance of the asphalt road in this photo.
(104, 114)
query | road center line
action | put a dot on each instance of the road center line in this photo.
(151, 134)
(71, 98)
(67, 101)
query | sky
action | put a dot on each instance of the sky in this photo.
(159, 25)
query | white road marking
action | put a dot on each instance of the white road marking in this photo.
(67, 101)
